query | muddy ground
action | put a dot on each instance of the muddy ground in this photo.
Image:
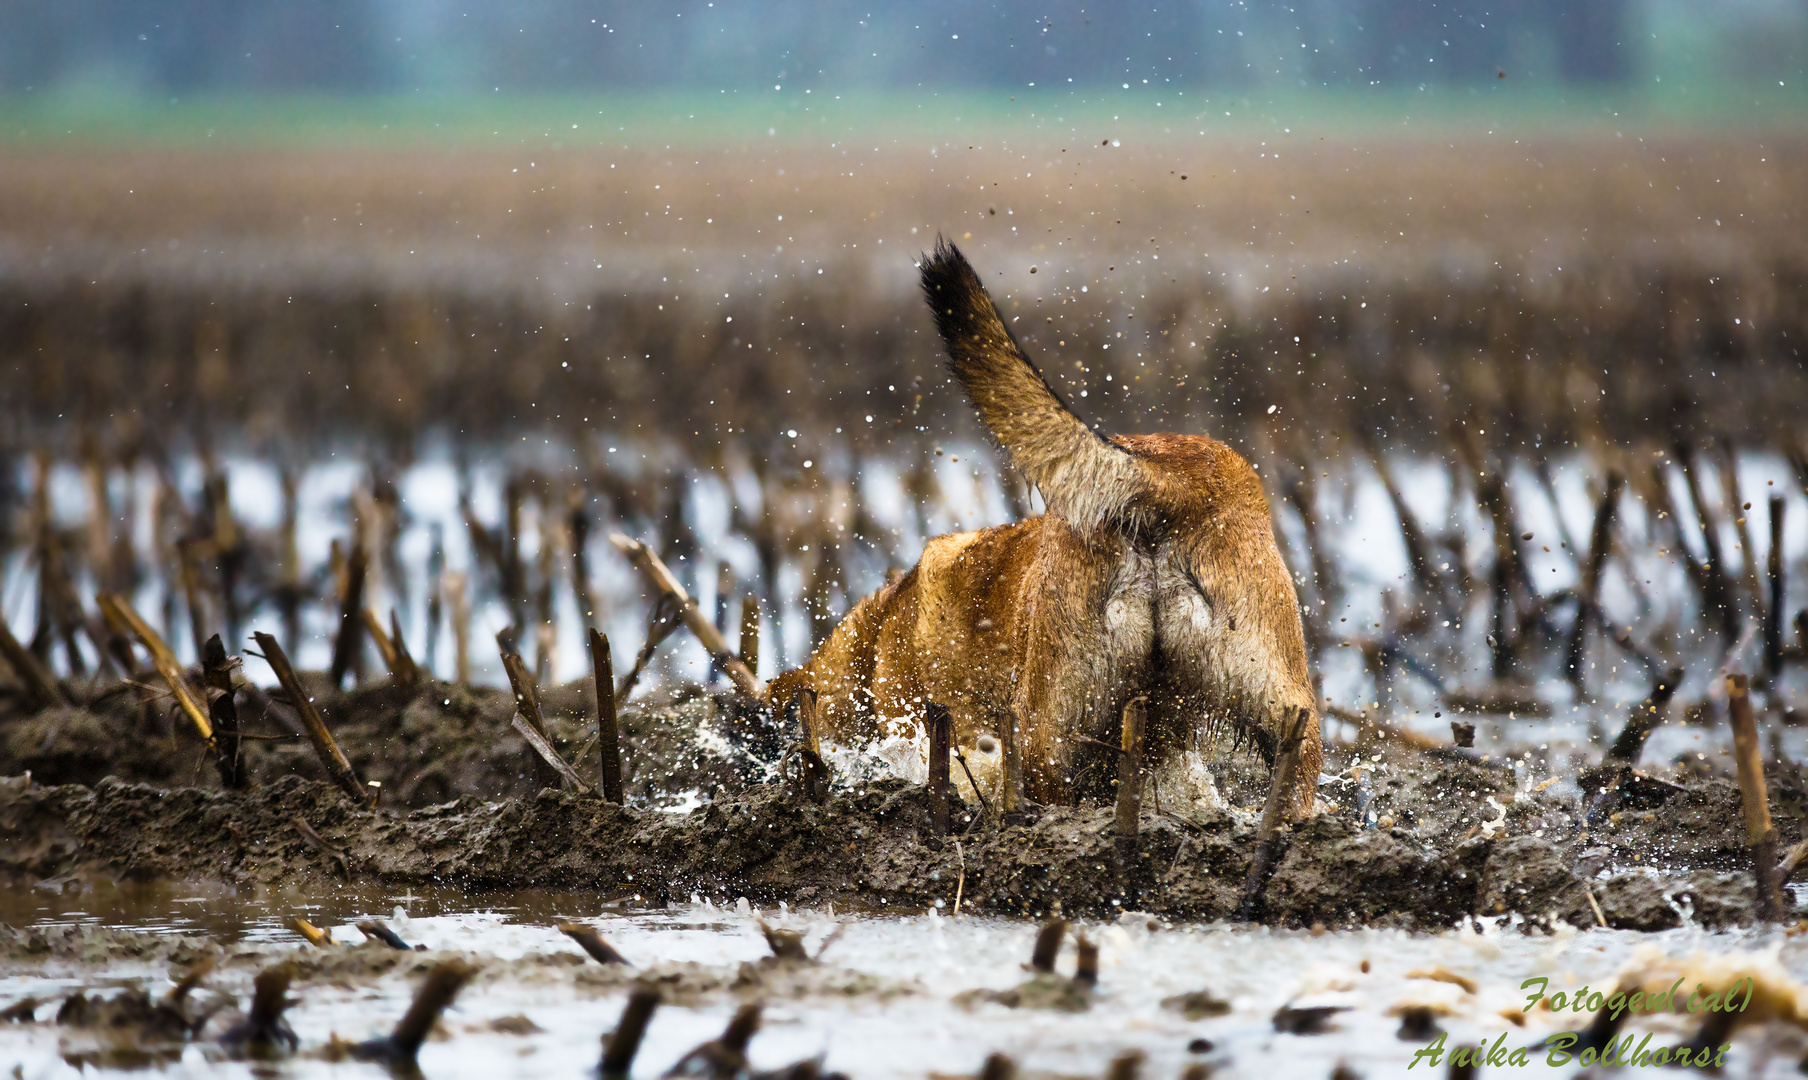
(111, 790)
(425, 744)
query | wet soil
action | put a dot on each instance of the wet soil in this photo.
(120, 790)
(425, 744)
(1417, 843)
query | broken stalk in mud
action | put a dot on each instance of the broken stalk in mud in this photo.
(403, 1045)
(1010, 798)
(608, 731)
(1645, 718)
(380, 638)
(750, 633)
(1754, 799)
(528, 721)
(455, 586)
(1791, 862)
(190, 576)
(162, 659)
(332, 759)
(1588, 611)
(119, 641)
(521, 683)
(41, 689)
(223, 710)
(549, 755)
(941, 738)
(406, 672)
(264, 1032)
(1286, 761)
(1048, 945)
(1773, 612)
(1130, 786)
(726, 1057)
(620, 1046)
(351, 619)
(809, 776)
(315, 936)
(1371, 727)
(592, 942)
(378, 930)
(1716, 582)
(1086, 962)
(657, 575)
(315, 842)
(577, 525)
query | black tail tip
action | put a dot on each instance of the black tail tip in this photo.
(942, 265)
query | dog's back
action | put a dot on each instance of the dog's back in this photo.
(1154, 571)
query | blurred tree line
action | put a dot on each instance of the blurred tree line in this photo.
(201, 46)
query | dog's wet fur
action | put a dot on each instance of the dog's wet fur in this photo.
(1153, 572)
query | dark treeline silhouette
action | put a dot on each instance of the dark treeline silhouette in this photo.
(197, 46)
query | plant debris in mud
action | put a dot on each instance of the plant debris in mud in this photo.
(872, 847)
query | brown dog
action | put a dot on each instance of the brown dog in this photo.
(1153, 572)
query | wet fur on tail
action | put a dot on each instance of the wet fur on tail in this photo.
(1085, 479)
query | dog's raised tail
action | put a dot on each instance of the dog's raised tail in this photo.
(1083, 478)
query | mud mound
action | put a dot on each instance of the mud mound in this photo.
(425, 744)
(871, 847)
(1408, 838)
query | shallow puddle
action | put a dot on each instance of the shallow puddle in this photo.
(886, 1005)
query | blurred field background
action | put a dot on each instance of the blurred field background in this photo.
(1510, 313)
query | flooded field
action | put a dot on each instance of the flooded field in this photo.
(885, 996)
(345, 460)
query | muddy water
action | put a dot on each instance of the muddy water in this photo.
(885, 1000)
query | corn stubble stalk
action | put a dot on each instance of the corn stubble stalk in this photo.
(620, 1047)
(592, 943)
(41, 688)
(332, 759)
(1773, 613)
(1646, 716)
(1754, 799)
(394, 652)
(529, 722)
(941, 746)
(314, 936)
(264, 1033)
(405, 672)
(724, 1057)
(458, 596)
(608, 733)
(377, 930)
(403, 1045)
(1286, 762)
(658, 576)
(1010, 799)
(1588, 608)
(802, 766)
(750, 632)
(349, 640)
(1048, 945)
(222, 709)
(162, 659)
(1130, 787)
